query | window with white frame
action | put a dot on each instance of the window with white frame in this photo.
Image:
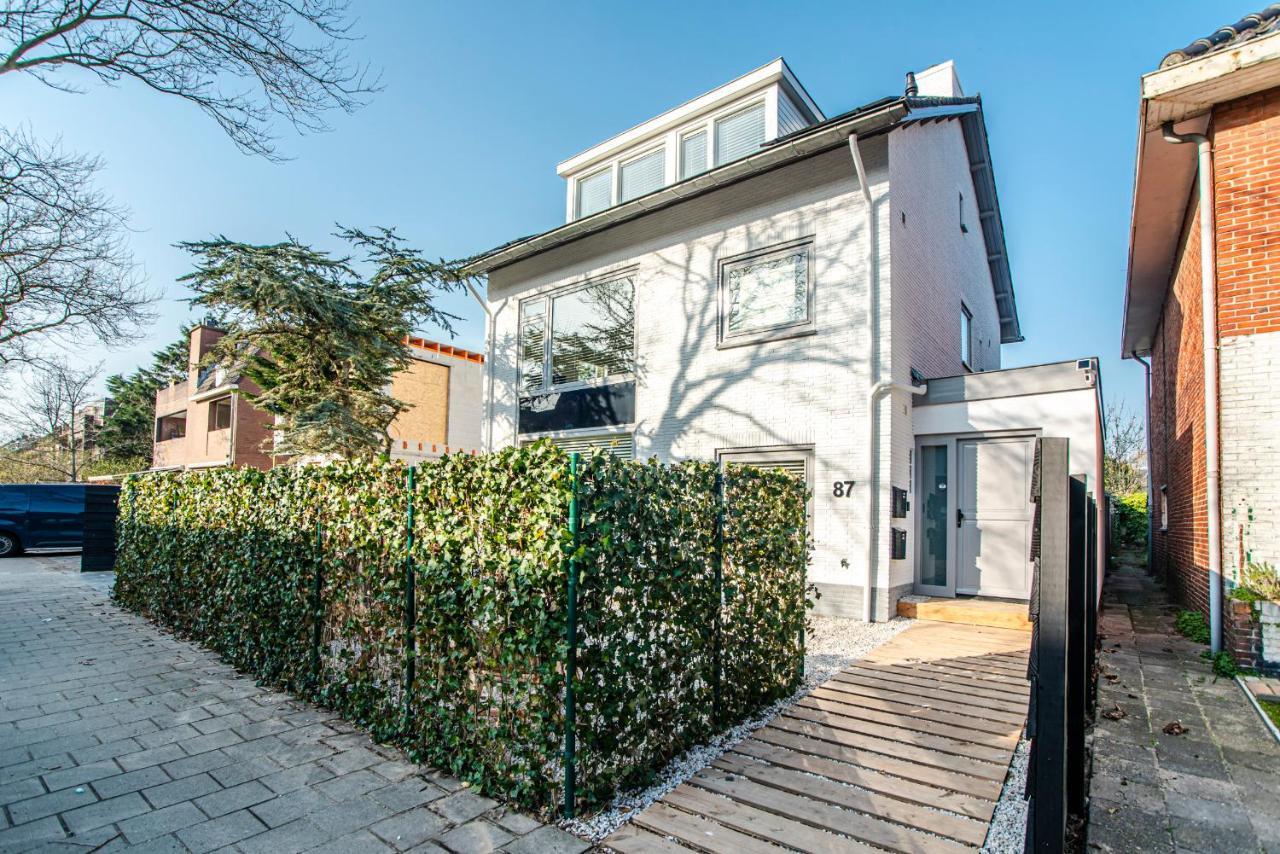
(693, 154)
(642, 175)
(595, 192)
(767, 294)
(739, 134)
(591, 335)
(966, 337)
(621, 445)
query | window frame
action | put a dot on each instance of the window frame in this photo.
(966, 337)
(548, 299)
(213, 406)
(713, 147)
(661, 148)
(763, 454)
(808, 326)
(160, 421)
(706, 152)
(613, 190)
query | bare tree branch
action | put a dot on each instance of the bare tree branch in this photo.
(52, 436)
(241, 61)
(64, 267)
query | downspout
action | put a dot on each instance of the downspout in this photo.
(877, 388)
(1209, 333)
(1151, 485)
(490, 324)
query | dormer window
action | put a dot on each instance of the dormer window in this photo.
(595, 192)
(739, 134)
(693, 154)
(641, 175)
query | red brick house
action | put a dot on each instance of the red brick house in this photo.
(1205, 231)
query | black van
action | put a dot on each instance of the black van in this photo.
(41, 516)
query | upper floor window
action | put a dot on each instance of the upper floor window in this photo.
(642, 175)
(592, 335)
(693, 154)
(767, 294)
(966, 337)
(595, 192)
(739, 134)
(220, 414)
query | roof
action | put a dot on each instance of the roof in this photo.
(876, 117)
(1232, 63)
(1227, 37)
(444, 349)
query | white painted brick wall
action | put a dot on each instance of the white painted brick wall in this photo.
(1249, 372)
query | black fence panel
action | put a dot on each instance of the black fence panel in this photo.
(99, 551)
(1063, 609)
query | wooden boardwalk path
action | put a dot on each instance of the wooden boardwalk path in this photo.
(905, 750)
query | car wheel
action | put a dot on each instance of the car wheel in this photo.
(9, 545)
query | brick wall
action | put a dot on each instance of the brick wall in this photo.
(1246, 142)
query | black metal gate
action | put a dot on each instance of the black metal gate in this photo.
(100, 504)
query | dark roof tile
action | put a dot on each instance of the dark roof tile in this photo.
(1249, 27)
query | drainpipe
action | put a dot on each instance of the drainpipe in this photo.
(490, 324)
(1151, 486)
(877, 388)
(1209, 333)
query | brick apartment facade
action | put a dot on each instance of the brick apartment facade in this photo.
(207, 421)
(1166, 324)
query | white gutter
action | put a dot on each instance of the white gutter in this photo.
(1151, 484)
(1209, 335)
(877, 388)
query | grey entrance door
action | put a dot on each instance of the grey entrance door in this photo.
(993, 516)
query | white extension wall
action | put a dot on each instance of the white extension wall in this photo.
(1249, 366)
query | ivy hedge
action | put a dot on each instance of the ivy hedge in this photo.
(432, 606)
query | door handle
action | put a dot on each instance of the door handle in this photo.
(959, 517)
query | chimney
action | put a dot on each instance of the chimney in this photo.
(912, 88)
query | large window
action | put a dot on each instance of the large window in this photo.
(595, 192)
(767, 295)
(171, 426)
(739, 134)
(966, 337)
(642, 175)
(592, 335)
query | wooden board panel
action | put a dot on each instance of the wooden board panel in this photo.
(701, 833)
(767, 825)
(973, 612)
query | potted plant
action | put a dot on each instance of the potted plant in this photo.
(1260, 585)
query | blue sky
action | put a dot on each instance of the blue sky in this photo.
(458, 151)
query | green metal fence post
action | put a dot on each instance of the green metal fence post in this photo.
(800, 585)
(410, 606)
(317, 613)
(571, 635)
(717, 665)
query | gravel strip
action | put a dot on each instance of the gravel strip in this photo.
(832, 643)
(1008, 831)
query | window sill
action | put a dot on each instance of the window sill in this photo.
(766, 336)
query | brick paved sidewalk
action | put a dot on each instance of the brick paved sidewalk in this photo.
(114, 735)
(1216, 786)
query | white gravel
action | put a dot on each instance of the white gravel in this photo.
(832, 643)
(1008, 831)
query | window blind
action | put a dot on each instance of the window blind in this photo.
(621, 445)
(693, 154)
(594, 192)
(642, 175)
(533, 326)
(593, 332)
(739, 134)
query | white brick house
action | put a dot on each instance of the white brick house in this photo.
(744, 279)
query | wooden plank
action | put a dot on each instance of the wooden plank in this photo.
(905, 735)
(757, 822)
(864, 828)
(1007, 615)
(630, 839)
(922, 755)
(792, 735)
(978, 677)
(931, 708)
(898, 684)
(955, 683)
(875, 781)
(700, 833)
(848, 706)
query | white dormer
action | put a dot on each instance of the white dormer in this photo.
(721, 126)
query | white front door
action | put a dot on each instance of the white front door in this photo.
(994, 516)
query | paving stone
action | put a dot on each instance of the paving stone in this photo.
(351, 785)
(475, 837)
(410, 828)
(408, 793)
(150, 825)
(51, 804)
(237, 797)
(285, 808)
(104, 812)
(152, 756)
(361, 842)
(517, 823)
(131, 781)
(548, 840)
(20, 837)
(463, 806)
(80, 775)
(298, 835)
(221, 831)
(185, 789)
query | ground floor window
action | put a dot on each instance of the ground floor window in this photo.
(621, 445)
(795, 460)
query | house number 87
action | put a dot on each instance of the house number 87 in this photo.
(842, 489)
